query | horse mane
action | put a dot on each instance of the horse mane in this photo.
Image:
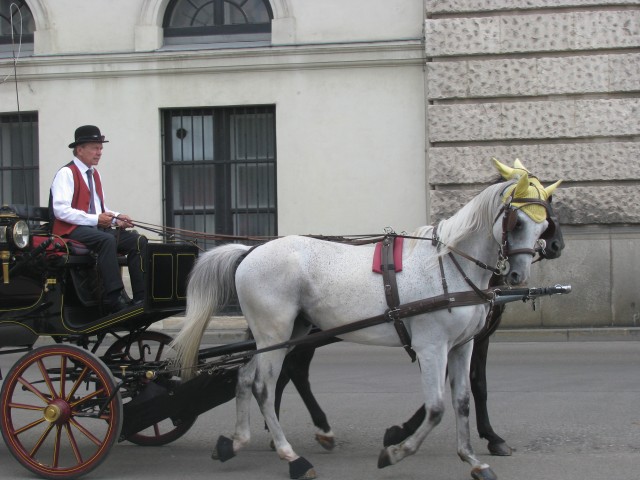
(472, 217)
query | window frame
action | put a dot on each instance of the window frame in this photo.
(17, 161)
(227, 192)
(27, 38)
(218, 33)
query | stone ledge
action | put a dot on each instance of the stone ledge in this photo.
(567, 334)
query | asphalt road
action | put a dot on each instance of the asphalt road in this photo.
(571, 411)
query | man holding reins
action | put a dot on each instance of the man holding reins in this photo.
(79, 211)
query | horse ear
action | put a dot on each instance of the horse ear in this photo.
(522, 187)
(503, 169)
(550, 189)
(517, 164)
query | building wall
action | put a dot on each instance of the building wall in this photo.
(360, 88)
(347, 82)
(556, 84)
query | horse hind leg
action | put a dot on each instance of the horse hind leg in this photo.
(227, 448)
(268, 367)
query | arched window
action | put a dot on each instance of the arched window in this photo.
(217, 21)
(15, 19)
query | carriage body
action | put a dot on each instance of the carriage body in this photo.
(51, 288)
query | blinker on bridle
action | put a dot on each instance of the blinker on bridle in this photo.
(509, 222)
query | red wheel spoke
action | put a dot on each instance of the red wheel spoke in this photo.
(88, 397)
(33, 390)
(159, 352)
(24, 406)
(63, 375)
(29, 426)
(86, 432)
(40, 441)
(73, 443)
(56, 448)
(77, 383)
(46, 378)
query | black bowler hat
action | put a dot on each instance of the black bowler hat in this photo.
(88, 134)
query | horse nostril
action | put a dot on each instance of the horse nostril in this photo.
(513, 278)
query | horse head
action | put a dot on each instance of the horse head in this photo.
(526, 217)
(552, 236)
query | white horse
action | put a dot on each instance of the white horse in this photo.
(288, 283)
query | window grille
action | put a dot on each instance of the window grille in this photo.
(19, 159)
(15, 14)
(220, 170)
(217, 21)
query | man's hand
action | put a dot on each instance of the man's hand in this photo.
(105, 219)
(124, 221)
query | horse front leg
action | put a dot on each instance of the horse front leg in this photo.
(268, 368)
(433, 363)
(459, 360)
(496, 445)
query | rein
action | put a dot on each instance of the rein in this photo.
(455, 299)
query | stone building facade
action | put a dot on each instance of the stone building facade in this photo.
(386, 114)
(555, 83)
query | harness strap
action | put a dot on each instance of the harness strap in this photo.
(435, 241)
(418, 307)
(391, 293)
(475, 288)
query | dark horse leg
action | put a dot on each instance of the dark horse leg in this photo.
(478, 377)
(296, 368)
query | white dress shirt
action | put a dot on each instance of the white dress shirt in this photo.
(62, 191)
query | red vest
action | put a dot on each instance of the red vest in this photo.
(80, 200)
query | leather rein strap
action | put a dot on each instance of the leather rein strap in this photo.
(411, 309)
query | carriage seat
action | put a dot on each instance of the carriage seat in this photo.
(74, 252)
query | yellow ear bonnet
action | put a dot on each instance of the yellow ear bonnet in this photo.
(526, 187)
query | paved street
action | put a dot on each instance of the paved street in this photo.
(570, 409)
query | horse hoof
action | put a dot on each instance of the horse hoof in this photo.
(224, 449)
(500, 449)
(384, 460)
(301, 469)
(393, 436)
(326, 441)
(483, 473)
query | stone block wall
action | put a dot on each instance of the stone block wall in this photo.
(555, 83)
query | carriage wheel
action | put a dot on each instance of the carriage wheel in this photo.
(148, 347)
(61, 413)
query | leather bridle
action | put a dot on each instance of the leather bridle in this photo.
(509, 221)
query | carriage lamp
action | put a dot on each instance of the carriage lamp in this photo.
(16, 235)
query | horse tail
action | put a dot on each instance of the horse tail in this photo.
(211, 287)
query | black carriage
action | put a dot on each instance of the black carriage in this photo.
(65, 403)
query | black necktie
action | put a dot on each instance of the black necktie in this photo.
(92, 204)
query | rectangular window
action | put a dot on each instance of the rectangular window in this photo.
(19, 180)
(220, 170)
